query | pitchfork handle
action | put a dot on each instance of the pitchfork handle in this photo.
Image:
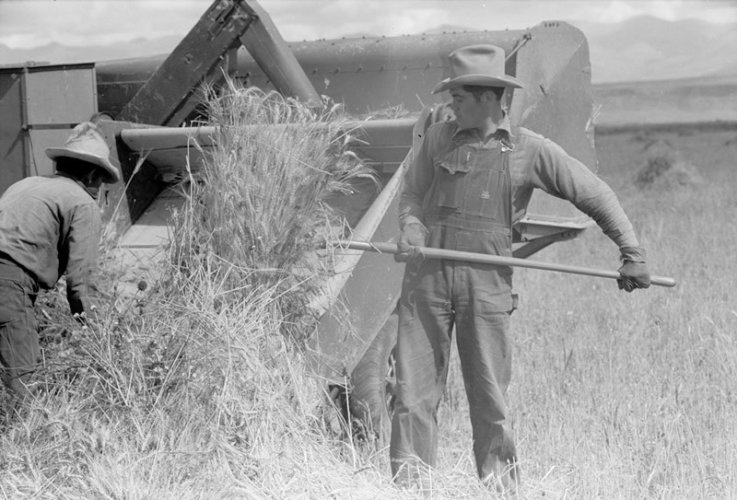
(440, 253)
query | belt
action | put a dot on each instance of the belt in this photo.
(12, 270)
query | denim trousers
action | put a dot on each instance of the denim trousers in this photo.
(19, 347)
(426, 324)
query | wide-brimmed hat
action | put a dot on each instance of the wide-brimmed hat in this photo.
(86, 143)
(477, 65)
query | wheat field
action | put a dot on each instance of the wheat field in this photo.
(197, 393)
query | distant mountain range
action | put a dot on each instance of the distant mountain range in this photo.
(638, 49)
(648, 48)
(63, 54)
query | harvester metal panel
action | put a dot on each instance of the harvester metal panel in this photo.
(39, 105)
(166, 97)
(382, 144)
(363, 293)
(379, 73)
(557, 101)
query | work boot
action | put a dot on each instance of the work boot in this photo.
(504, 479)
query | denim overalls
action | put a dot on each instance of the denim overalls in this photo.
(468, 208)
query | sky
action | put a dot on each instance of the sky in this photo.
(35, 23)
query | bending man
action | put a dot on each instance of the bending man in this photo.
(49, 226)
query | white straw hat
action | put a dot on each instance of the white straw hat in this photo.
(86, 143)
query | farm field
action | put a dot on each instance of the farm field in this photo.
(614, 395)
(687, 100)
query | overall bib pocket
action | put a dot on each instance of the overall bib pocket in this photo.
(450, 182)
(473, 180)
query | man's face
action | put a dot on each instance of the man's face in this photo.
(93, 180)
(471, 112)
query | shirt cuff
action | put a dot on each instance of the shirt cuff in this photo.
(410, 219)
(632, 254)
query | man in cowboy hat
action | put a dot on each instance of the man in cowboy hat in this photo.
(470, 180)
(49, 226)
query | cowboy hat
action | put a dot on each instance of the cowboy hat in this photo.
(86, 143)
(477, 65)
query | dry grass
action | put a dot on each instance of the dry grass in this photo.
(258, 210)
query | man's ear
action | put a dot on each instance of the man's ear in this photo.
(93, 178)
(489, 96)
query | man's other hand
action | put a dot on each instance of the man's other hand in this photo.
(633, 275)
(413, 235)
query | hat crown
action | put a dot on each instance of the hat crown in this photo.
(86, 138)
(87, 143)
(483, 60)
(482, 65)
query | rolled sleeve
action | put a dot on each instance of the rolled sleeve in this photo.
(82, 242)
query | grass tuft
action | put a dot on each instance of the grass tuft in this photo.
(664, 168)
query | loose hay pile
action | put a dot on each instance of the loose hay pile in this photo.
(665, 168)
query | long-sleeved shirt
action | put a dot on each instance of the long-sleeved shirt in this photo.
(534, 162)
(50, 226)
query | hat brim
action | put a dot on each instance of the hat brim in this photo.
(482, 80)
(112, 175)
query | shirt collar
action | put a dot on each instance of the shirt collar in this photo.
(92, 192)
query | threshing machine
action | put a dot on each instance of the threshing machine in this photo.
(149, 102)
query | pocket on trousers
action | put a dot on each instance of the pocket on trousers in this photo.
(12, 301)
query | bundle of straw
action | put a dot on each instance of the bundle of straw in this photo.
(259, 211)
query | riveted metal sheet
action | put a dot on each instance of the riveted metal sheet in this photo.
(370, 74)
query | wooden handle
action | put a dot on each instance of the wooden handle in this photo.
(439, 253)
